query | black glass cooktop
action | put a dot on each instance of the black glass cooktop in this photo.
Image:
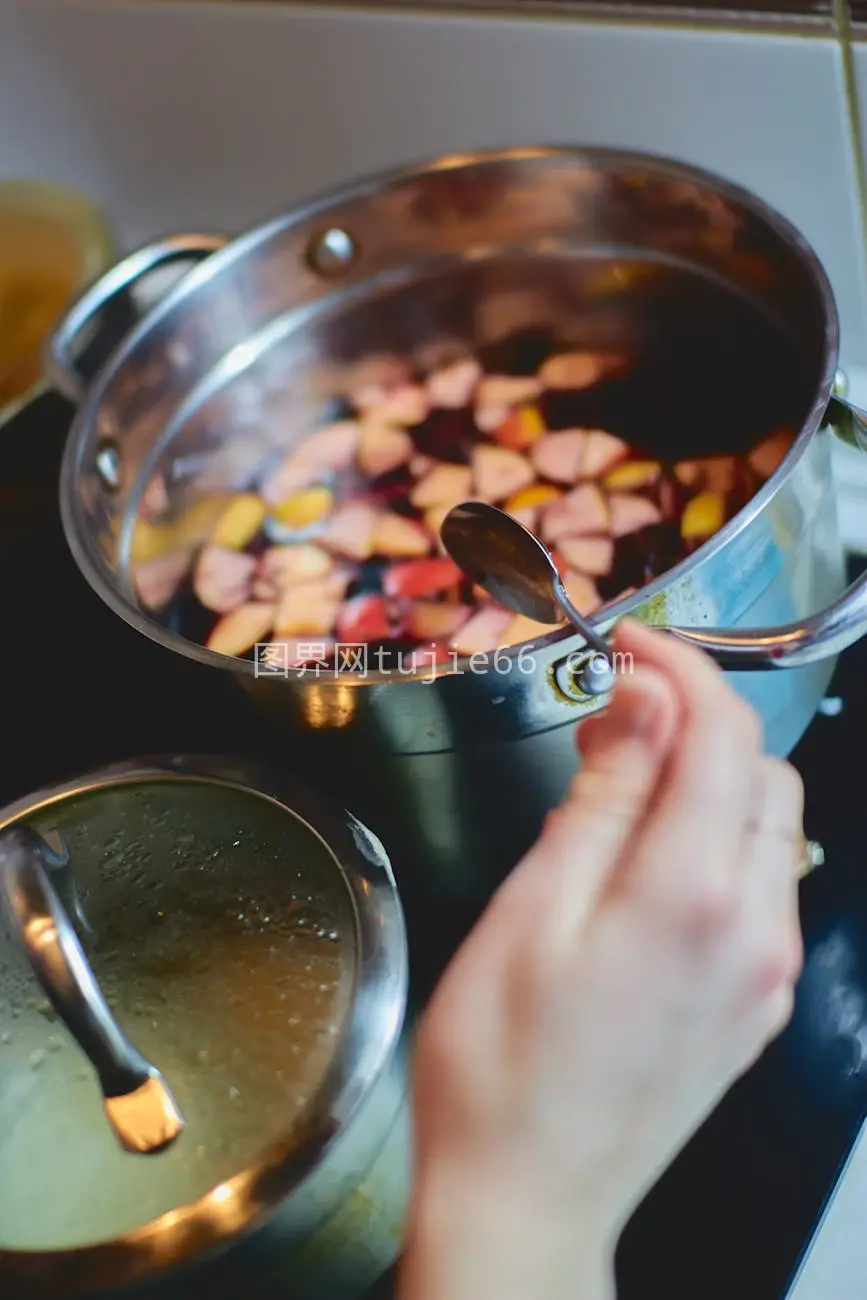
(732, 1216)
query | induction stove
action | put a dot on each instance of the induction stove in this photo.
(735, 1214)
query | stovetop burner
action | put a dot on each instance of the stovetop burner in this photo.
(732, 1216)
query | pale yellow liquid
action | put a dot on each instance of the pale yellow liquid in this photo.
(226, 953)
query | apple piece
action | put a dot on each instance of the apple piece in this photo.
(629, 513)
(281, 567)
(242, 628)
(420, 464)
(396, 537)
(558, 455)
(765, 457)
(404, 405)
(489, 418)
(223, 578)
(308, 607)
(498, 472)
(363, 619)
(240, 522)
(443, 483)
(483, 631)
(633, 474)
(452, 386)
(578, 369)
(350, 530)
(418, 578)
(304, 509)
(602, 451)
(521, 428)
(331, 447)
(581, 590)
(431, 620)
(382, 448)
(703, 516)
(581, 511)
(293, 475)
(591, 555)
(157, 580)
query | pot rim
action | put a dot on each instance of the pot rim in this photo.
(91, 563)
(367, 1043)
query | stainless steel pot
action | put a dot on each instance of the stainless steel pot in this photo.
(318, 1211)
(432, 263)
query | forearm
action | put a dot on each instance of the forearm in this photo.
(468, 1241)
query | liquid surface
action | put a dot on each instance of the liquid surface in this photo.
(624, 460)
(224, 943)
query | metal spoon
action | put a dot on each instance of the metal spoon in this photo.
(138, 1104)
(514, 567)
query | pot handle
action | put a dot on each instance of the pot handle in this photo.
(43, 927)
(823, 635)
(60, 365)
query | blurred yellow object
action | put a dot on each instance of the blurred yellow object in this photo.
(53, 242)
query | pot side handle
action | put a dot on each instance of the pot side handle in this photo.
(59, 360)
(823, 635)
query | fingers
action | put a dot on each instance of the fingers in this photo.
(623, 756)
(684, 861)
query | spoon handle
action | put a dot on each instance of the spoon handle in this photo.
(587, 630)
(59, 964)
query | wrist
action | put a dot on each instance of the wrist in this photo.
(476, 1237)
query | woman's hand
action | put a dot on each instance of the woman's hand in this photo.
(632, 966)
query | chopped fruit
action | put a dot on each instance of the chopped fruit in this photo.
(242, 628)
(765, 458)
(538, 494)
(282, 567)
(364, 618)
(489, 418)
(157, 580)
(483, 631)
(155, 500)
(420, 464)
(382, 448)
(293, 475)
(240, 522)
(418, 578)
(453, 386)
(331, 447)
(591, 555)
(443, 483)
(430, 620)
(350, 530)
(396, 536)
(150, 541)
(581, 590)
(304, 509)
(601, 452)
(523, 629)
(630, 513)
(704, 515)
(310, 608)
(223, 578)
(581, 511)
(528, 516)
(498, 472)
(405, 405)
(520, 429)
(506, 391)
(558, 455)
(688, 472)
(435, 516)
(578, 369)
(374, 378)
(716, 473)
(633, 474)
(291, 652)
